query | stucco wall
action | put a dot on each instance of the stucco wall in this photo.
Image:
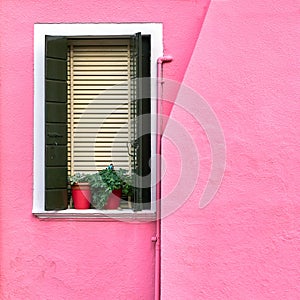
(245, 243)
(63, 259)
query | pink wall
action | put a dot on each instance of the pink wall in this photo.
(63, 259)
(245, 244)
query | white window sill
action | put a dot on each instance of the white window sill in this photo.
(124, 215)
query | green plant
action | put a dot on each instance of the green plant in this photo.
(127, 182)
(98, 189)
(78, 177)
(107, 180)
(102, 184)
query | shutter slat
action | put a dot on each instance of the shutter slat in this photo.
(86, 86)
(102, 54)
(85, 92)
(100, 42)
(113, 79)
(98, 72)
(99, 151)
(104, 141)
(101, 68)
(101, 64)
(110, 84)
(99, 59)
(88, 119)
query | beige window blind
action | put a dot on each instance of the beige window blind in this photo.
(98, 105)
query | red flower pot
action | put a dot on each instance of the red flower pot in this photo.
(113, 200)
(81, 195)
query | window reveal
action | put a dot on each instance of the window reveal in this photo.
(95, 82)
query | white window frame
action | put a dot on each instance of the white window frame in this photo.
(155, 30)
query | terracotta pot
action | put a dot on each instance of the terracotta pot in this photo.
(113, 200)
(81, 195)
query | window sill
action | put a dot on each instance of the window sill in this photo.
(124, 215)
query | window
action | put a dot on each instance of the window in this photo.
(91, 104)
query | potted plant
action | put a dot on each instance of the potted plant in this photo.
(107, 186)
(80, 189)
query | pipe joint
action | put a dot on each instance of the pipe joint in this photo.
(164, 59)
(154, 239)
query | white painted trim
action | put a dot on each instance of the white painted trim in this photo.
(83, 30)
(99, 215)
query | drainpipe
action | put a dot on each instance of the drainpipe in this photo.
(156, 239)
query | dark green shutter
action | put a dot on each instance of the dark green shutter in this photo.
(56, 195)
(142, 137)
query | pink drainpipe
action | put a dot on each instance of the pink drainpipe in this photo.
(156, 239)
